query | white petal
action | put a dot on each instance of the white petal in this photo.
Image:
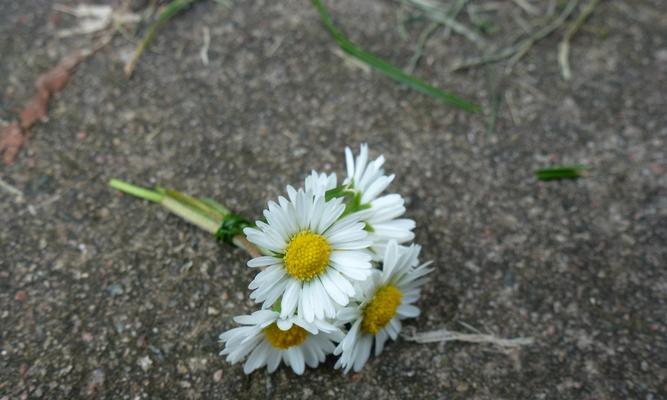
(363, 352)
(390, 260)
(257, 358)
(273, 360)
(357, 274)
(308, 306)
(290, 298)
(349, 162)
(360, 165)
(380, 340)
(264, 261)
(408, 311)
(257, 318)
(376, 188)
(332, 289)
(351, 259)
(297, 362)
(284, 324)
(341, 282)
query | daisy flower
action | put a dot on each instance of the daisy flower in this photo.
(383, 301)
(381, 215)
(312, 255)
(268, 340)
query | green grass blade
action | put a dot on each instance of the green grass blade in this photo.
(167, 13)
(387, 69)
(561, 172)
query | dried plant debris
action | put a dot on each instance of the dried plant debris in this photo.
(387, 69)
(169, 11)
(95, 18)
(545, 19)
(14, 135)
(564, 46)
(445, 335)
(11, 140)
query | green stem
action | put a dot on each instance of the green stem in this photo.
(190, 215)
(195, 204)
(136, 191)
(206, 214)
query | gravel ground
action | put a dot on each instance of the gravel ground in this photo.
(105, 296)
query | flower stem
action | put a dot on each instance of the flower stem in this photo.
(190, 215)
(136, 191)
(207, 214)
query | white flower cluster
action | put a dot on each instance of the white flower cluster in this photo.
(334, 277)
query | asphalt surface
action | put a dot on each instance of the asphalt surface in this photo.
(105, 296)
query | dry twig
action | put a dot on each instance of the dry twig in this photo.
(519, 49)
(436, 13)
(445, 335)
(564, 46)
(203, 53)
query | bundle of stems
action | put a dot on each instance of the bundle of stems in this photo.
(204, 213)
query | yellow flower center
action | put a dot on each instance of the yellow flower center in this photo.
(381, 309)
(307, 255)
(281, 339)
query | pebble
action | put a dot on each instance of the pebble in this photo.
(145, 363)
(217, 376)
(115, 290)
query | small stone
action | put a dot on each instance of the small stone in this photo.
(145, 363)
(87, 337)
(182, 369)
(213, 311)
(21, 295)
(23, 370)
(96, 380)
(462, 387)
(217, 376)
(661, 55)
(197, 364)
(115, 290)
(103, 213)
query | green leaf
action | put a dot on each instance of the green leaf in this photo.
(561, 172)
(354, 204)
(338, 191)
(387, 69)
(232, 225)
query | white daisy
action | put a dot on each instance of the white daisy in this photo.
(312, 255)
(381, 216)
(383, 301)
(269, 339)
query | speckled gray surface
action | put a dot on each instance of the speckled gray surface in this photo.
(104, 296)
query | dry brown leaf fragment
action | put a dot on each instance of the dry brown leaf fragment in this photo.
(55, 79)
(11, 140)
(13, 136)
(35, 110)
